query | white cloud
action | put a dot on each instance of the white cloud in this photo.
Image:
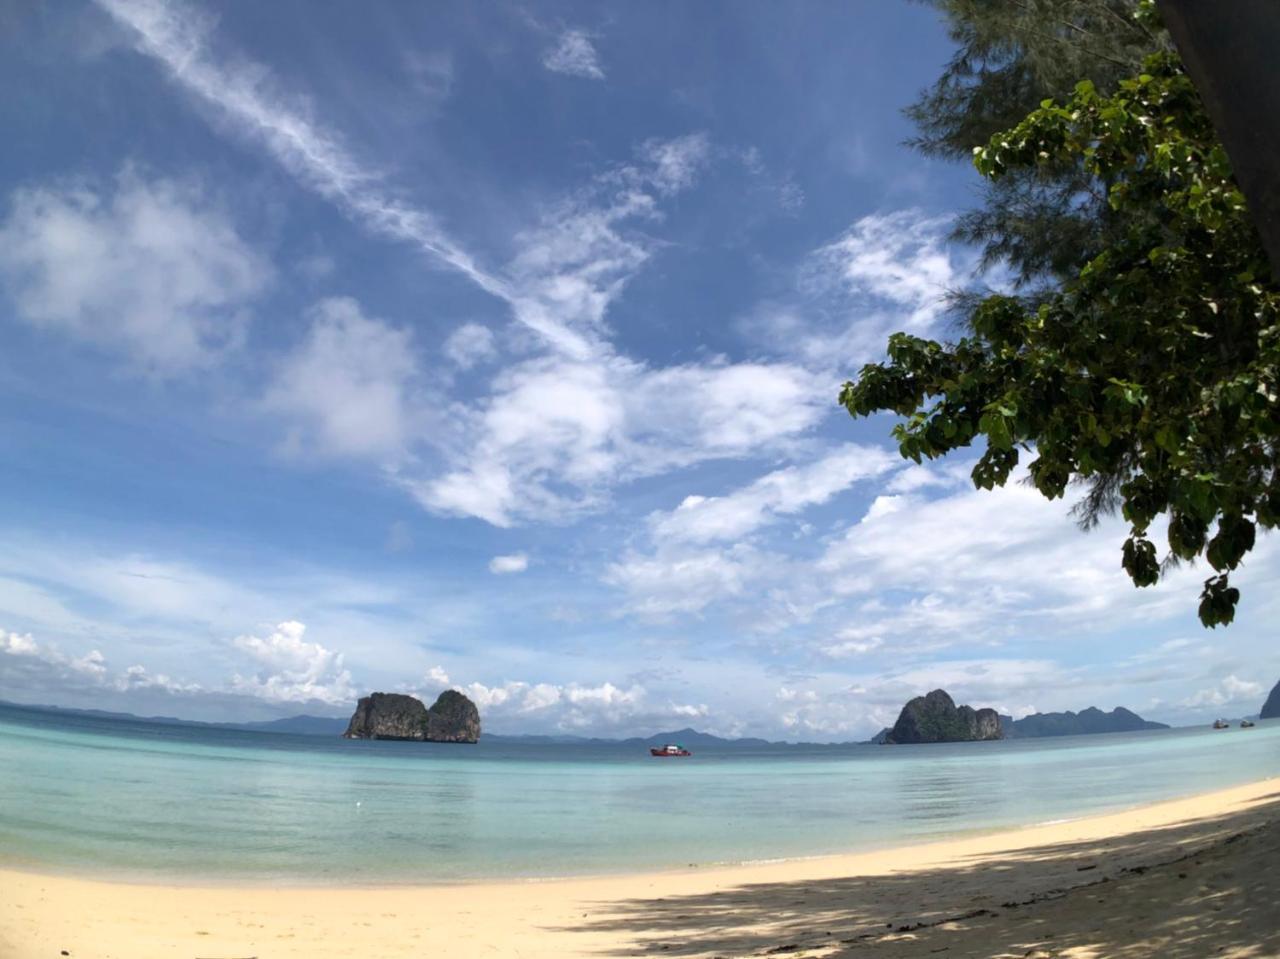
(139, 677)
(152, 270)
(469, 345)
(293, 670)
(602, 709)
(676, 163)
(668, 582)
(977, 565)
(63, 669)
(969, 569)
(784, 492)
(899, 257)
(887, 272)
(537, 447)
(1229, 691)
(852, 642)
(575, 55)
(557, 434)
(934, 476)
(18, 644)
(515, 563)
(347, 389)
(685, 571)
(833, 707)
(438, 678)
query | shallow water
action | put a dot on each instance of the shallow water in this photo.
(138, 800)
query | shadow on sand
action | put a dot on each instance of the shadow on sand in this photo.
(1204, 888)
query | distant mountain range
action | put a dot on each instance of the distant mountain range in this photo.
(1084, 723)
(685, 737)
(304, 725)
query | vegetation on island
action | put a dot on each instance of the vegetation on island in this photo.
(935, 718)
(1137, 351)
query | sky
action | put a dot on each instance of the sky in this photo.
(496, 346)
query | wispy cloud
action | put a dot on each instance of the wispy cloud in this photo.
(705, 551)
(242, 92)
(886, 272)
(178, 37)
(784, 492)
(575, 55)
(432, 74)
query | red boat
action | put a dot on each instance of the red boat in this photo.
(670, 749)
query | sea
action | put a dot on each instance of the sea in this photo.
(139, 801)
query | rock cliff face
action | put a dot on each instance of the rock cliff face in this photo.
(1085, 722)
(1271, 708)
(453, 719)
(935, 718)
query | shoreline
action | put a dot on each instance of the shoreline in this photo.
(144, 879)
(731, 910)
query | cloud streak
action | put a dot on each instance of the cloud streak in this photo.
(178, 38)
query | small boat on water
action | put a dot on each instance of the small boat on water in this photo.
(670, 749)
(1221, 724)
(1246, 724)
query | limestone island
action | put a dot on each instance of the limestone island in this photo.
(1271, 708)
(936, 718)
(452, 719)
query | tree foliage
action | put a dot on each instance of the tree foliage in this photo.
(1044, 222)
(1152, 372)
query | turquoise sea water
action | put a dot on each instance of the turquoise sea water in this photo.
(134, 800)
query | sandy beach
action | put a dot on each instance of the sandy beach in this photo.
(1189, 878)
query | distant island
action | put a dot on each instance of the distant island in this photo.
(1084, 723)
(1034, 726)
(453, 718)
(936, 718)
(1271, 708)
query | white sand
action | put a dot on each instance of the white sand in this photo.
(1165, 880)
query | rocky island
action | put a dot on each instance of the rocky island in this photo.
(453, 718)
(1271, 708)
(936, 718)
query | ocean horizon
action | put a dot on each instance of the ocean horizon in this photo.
(149, 802)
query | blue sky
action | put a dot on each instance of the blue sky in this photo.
(403, 346)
